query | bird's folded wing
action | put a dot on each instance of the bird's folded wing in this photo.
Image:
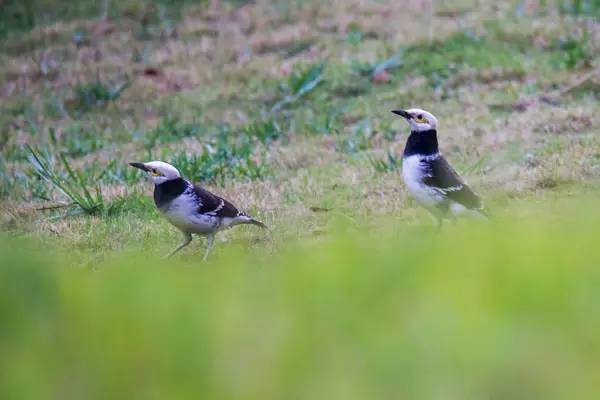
(446, 180)
(211, 204)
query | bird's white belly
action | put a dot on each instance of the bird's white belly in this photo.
(183, 213)
(414, 174)
(459, 210)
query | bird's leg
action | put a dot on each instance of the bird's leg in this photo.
(187, 238)
(210, 239)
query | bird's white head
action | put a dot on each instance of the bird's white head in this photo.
(158, 171)
(419, 120)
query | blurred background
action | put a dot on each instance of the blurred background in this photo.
(283, 106)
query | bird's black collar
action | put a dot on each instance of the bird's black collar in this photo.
(167, 191)
(422, 143)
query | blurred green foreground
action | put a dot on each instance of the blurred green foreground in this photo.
(507, 310)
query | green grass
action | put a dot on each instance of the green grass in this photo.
(283, 107)
(72, 185)
(89, 96)
(22, 16)
(590, 8)
(500, 310)
(221, 160)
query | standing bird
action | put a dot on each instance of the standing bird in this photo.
(189, 207)
(430, 179)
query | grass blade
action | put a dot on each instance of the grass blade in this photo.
(73, 186)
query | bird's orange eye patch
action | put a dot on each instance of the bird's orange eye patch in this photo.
(421, 120)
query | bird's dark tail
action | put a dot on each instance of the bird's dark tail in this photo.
(253, 221)
(246, 219)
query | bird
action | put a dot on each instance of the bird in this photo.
(191, 208)
(428, 176)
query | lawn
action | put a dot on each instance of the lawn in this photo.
(283, 107)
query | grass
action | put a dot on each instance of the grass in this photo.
(388, 164)
(22, 16)
(266, 131)
(169, 129)
(301, 101)
(73, 186)
(78, 140)
(581, 7)
(219, 161)
(298, 84)
(283, 107)
(504, 310)
(92, 95)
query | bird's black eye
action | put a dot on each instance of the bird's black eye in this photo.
(421, 120)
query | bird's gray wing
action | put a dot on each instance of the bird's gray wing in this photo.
(214, 205)
(446, 180)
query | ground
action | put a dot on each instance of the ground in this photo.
(284, 107)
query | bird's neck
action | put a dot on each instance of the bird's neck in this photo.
(422, 143)
(167, 191)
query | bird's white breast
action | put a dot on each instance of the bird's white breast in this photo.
(414, 172)
(183, 213)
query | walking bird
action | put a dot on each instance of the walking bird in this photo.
(429, 178)
(191, 208)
